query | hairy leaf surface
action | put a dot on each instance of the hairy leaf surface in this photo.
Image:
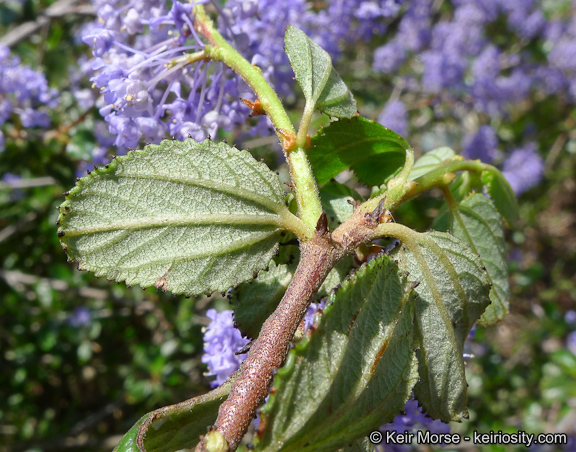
(179, 426)
(452, 294)
(370, 149)
(322, 86)
(353, 374)
(476, 222)
(186, 217)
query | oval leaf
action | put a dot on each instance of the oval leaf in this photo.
(370, 149)
(354, 373)
(476, 222)
(322, 86)
(187, 217)
(452, 294)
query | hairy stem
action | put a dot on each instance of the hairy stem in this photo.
(318, 256)
(268, 352)
(306, 191)
(438, 177)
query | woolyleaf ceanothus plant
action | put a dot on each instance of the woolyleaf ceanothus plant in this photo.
(193, 218)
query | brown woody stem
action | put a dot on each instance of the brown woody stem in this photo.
(268, 353)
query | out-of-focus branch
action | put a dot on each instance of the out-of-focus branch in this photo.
(17, 280)
(59, 9)
(29, 183)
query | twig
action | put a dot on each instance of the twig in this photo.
(8, 231)
(554, 152)
(29, 183)
(16, 280)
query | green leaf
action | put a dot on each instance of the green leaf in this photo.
(336, 99)
(452, 294)
(179, 426)
(322, 86)
(370, 149)
(355, 372)
(430, 161)
(186, 217)
(502, 194)
(476, 222)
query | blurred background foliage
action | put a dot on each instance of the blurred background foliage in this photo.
(81, 359)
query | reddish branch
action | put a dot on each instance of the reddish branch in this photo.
(268, 353)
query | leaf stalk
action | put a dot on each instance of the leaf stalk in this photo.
(306, 190)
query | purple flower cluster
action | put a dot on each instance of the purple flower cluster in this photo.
(523, 168)
(478, 60)
(154, 81)
(395, 117)
(80, 317)
(221, 342)
(24, 94)
(153, 86)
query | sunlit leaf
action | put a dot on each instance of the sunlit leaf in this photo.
(322, 86)
(370, 149)
(429, 161)
(502, 194)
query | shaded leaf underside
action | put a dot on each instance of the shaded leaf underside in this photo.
(452, 294)
(179, 426)
(476, 222)
(355, 372)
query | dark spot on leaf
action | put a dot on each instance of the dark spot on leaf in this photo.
(352, 321)
(379, 356)
(61, 233)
